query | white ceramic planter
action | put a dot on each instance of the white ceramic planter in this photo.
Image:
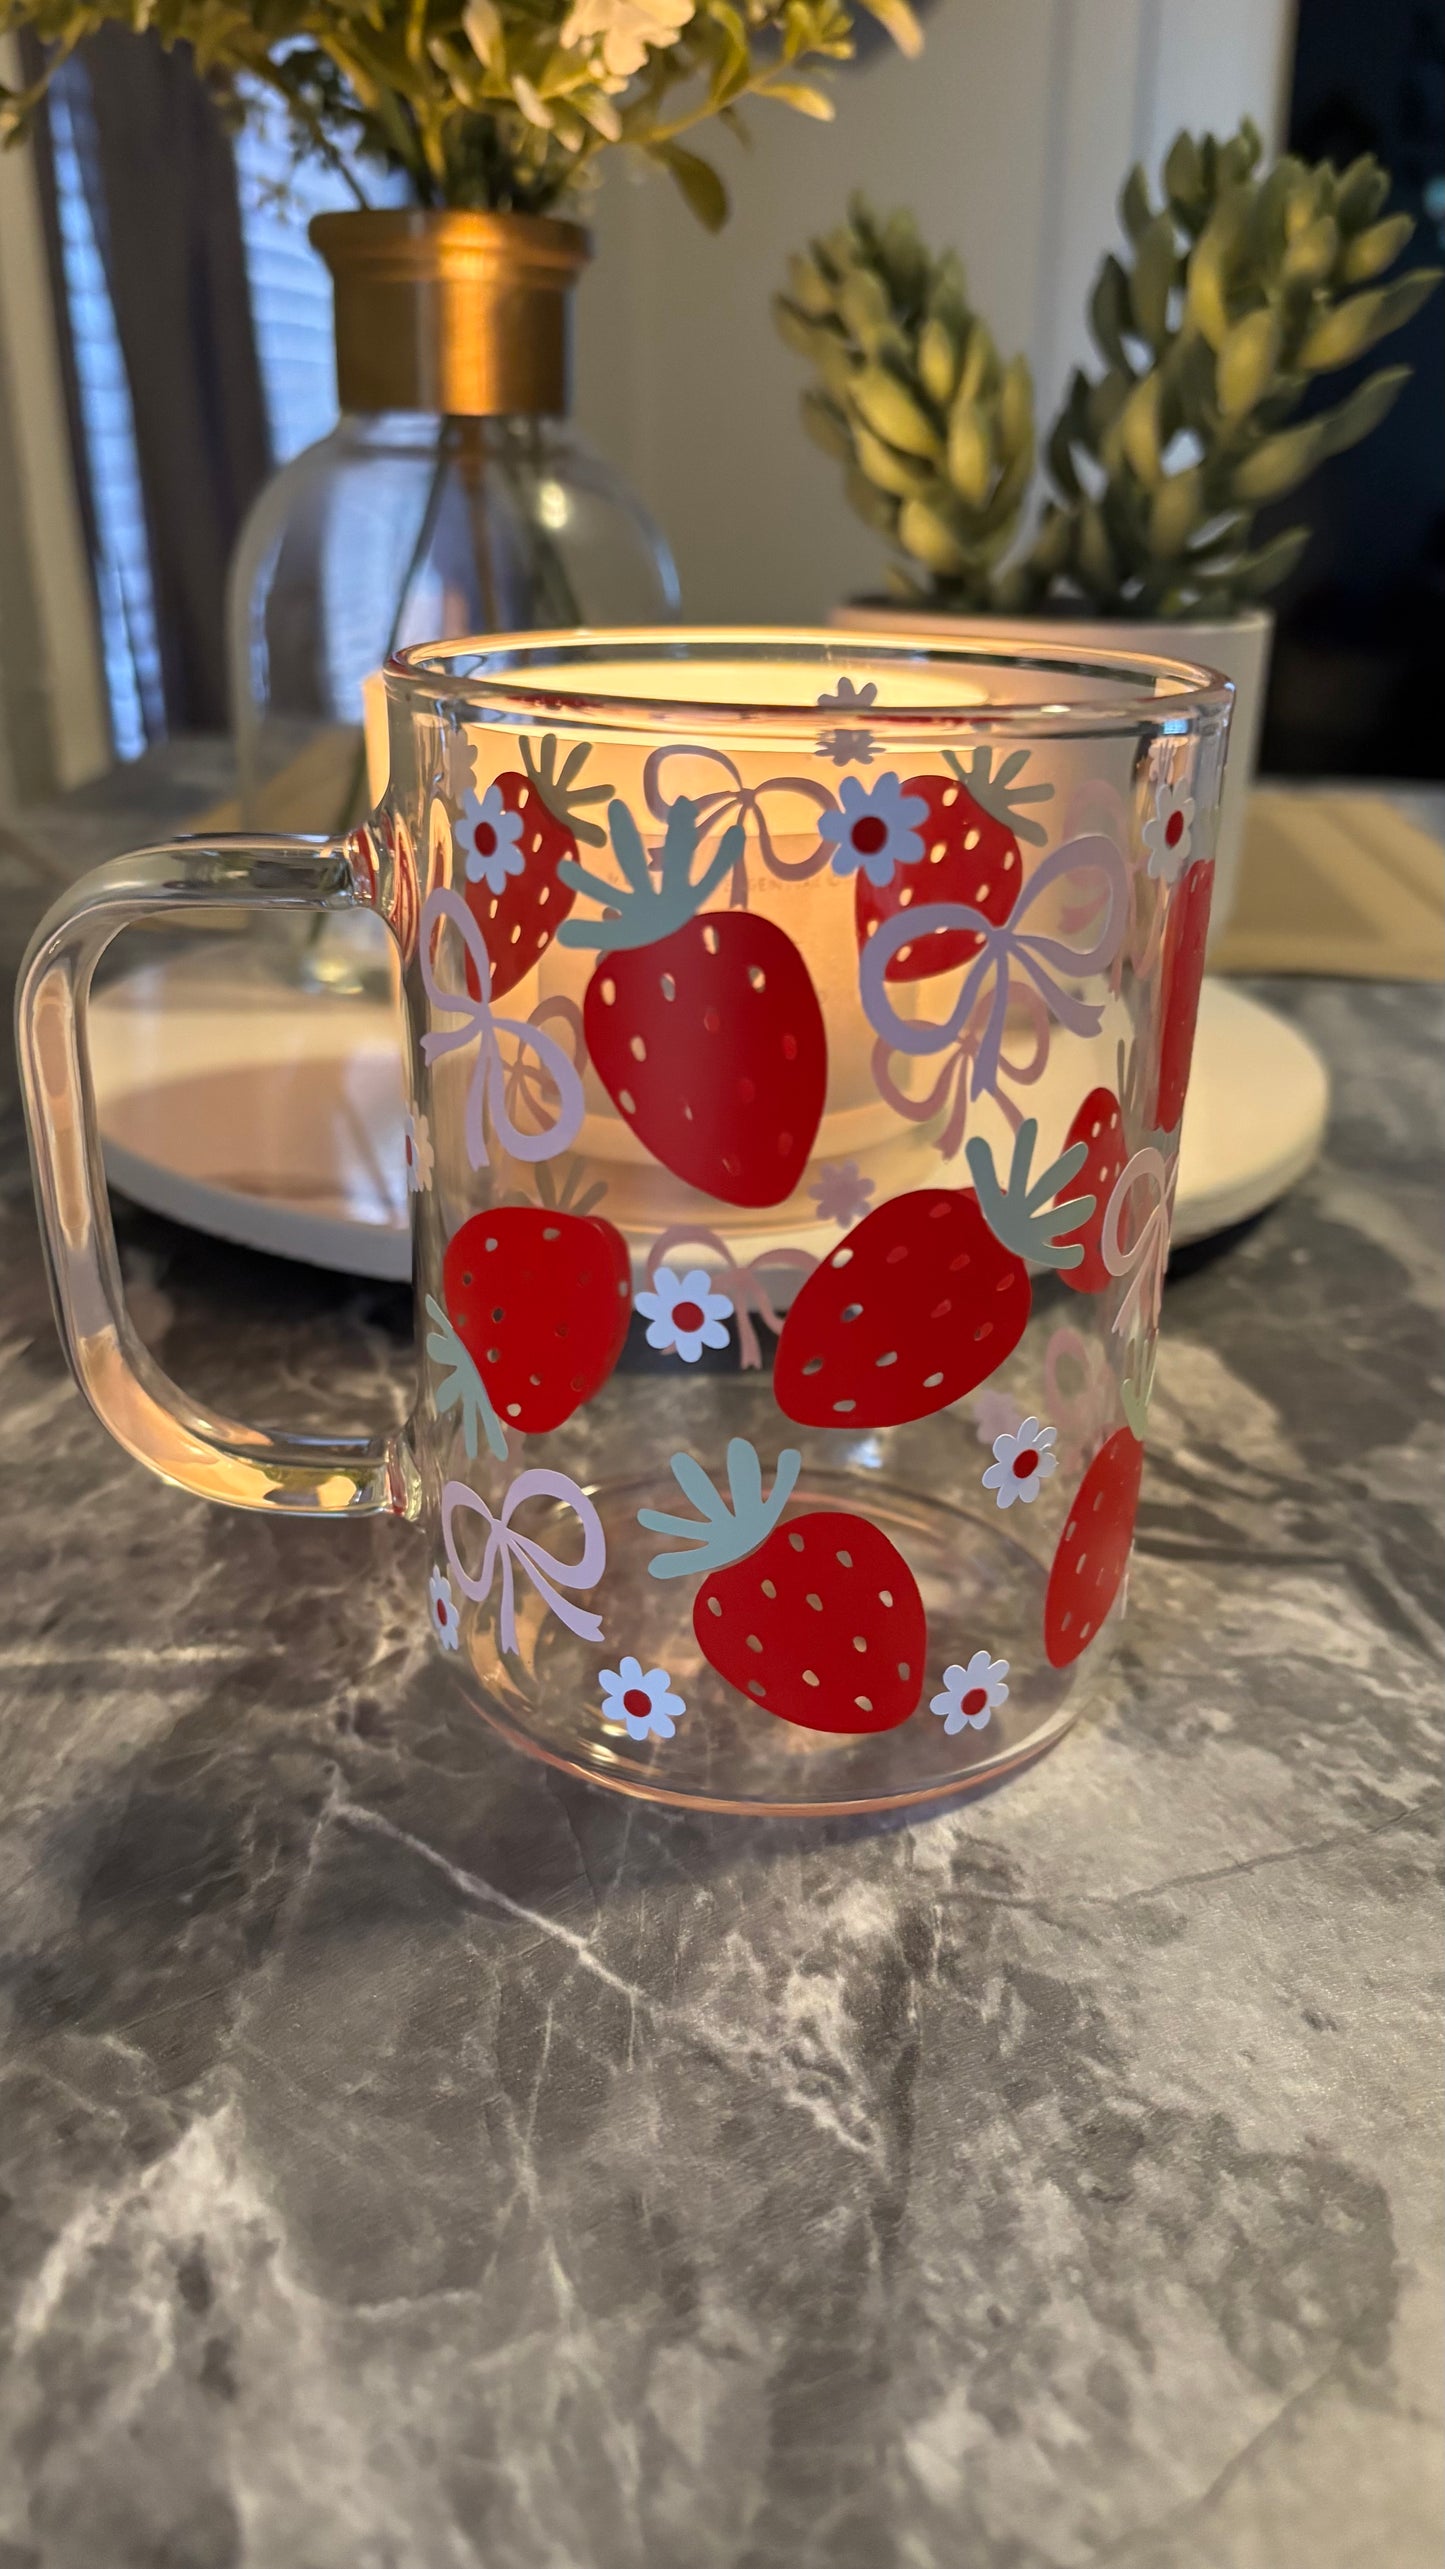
(1239, 647)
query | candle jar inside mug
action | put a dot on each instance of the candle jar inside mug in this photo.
(799, 1028)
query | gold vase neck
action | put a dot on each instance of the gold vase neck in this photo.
(465, 314)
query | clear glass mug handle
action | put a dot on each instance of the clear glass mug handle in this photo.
(217, 1458)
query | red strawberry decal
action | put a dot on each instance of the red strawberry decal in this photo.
(519, 910)
(1181, 978)
(705, 1032)
(917, 1306)
(971, 857)
(1093, 1550)
(819, 1620)
(540, 1300)
(927, 1296)
(840, 1622)
(1099, 1128)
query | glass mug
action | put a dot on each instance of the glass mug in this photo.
(797, 1036)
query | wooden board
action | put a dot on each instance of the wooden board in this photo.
(1336, 882)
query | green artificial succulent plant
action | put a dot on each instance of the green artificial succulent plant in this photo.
(935, 431)
(1236, 292)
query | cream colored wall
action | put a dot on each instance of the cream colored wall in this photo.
(1009, 138)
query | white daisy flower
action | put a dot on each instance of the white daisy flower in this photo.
(445, 1616)
(973, 1694)
(1167, 833)
(488, 834)
(420, 1157)
(1022, 1463)
(684, 1314)
(876, 829)
(647, 1705)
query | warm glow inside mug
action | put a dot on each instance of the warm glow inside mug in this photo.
(798, 1031)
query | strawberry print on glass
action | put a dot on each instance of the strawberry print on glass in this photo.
(971, 822)
(1097, 1130)
(540, 1300)
(1181, 972)
(510, 841)
(919, 1304)
(817, 1619)
(705, 1031)
(1093, 1553)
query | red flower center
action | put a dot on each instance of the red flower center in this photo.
(440, 1611)
(688, 1315)
(1025, 1463)
(484, 839)
(869, 834)
(976, 1700)
(1174, 829)
(636, 1702)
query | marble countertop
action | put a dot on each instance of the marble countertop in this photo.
(411, 2160)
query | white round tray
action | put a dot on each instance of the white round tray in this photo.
(277, 1122)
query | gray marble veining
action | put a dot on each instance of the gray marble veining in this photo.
(411, 2160)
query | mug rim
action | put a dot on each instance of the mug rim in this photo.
(510, 687)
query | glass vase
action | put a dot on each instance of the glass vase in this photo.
(453, 497)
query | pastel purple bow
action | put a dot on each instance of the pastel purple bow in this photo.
(736, 801)
(949, 1094)
(509, 1551)
(488, 1087)
(1009, 952)
(1146, 1257)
